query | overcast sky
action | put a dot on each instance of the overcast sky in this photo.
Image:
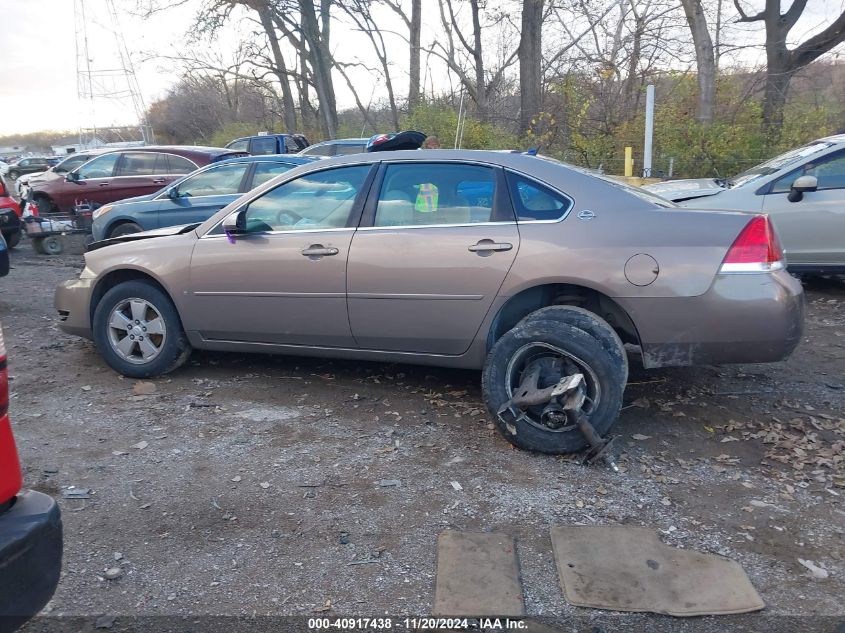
(38, 79)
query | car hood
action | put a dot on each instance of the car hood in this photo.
(677, 190)
(143, 235)
(144, 198)
(42, 176)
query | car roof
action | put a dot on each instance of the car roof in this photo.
(343, 141)
(836, 138)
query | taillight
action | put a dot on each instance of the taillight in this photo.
(10, 470)
(755, 250)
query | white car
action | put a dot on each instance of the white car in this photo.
(802, 190)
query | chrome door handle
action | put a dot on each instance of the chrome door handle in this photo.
(489, 246)
(318, 250)
(159, 181)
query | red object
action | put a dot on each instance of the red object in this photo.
(10, 469)
(7, 201)
(757, 243)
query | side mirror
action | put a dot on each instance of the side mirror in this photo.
(801, 185)
(72, 176)
(173, 192)
(235, 224)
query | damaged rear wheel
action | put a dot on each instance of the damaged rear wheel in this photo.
(532, 388)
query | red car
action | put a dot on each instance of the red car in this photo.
(10, 217)
(121, 174)
(30, 530)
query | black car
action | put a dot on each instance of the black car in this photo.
(269, 144)
(29, 166)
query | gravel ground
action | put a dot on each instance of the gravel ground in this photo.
(255, 485)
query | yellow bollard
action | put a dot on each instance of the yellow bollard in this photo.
(629, 162)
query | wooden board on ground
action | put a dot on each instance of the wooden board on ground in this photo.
(628, 569)
(477, 575)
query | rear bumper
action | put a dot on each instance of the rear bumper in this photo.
(30, 557)
(73, 300)
(743, 318)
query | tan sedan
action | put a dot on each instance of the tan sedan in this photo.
(532, 270)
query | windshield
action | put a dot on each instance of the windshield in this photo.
(777, 163)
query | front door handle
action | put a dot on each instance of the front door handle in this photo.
(316, 251)
(486, 247)
(159, 181)
(103, 184)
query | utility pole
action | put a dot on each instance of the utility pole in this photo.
(649, 130)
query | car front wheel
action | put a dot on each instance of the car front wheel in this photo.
(138, 330)
(534, 357)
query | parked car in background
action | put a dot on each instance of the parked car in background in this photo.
(58, 170)
(30, 530)
(381, 256)
(269, 144)
(10, 217)
(802, 190)
(28, 165)
(336, 147)
(122, 174)
(194, 198)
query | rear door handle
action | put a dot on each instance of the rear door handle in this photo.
(315, 251)
(489, 246)
(103, 184)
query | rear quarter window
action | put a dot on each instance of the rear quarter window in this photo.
(179, 165)
(534, 202)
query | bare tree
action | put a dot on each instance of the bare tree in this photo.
(413, 22)
(704, 59)
(361, 15)
(782, 62)
(474, 80)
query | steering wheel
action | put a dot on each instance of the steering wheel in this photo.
(291, 215)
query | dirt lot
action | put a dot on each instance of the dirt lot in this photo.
(252, 485)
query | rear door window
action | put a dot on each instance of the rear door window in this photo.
(534, 202)
(291, 146)
(431, 193)
(344, 149)
(140, 164)
(267, 171)
(263, 145)
(318, 150)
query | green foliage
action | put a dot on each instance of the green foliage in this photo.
(231, 131)
(442, 121)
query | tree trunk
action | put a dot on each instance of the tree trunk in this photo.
(704, 59)
(530, 53)
(280, 69)
(778, 77)
(316, 37)
(478, 58)
(414, 68)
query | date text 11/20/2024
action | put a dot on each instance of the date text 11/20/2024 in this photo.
(411, 624)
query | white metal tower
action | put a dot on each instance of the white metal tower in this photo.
(108, 77)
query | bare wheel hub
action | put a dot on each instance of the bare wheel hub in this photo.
(136, 331)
